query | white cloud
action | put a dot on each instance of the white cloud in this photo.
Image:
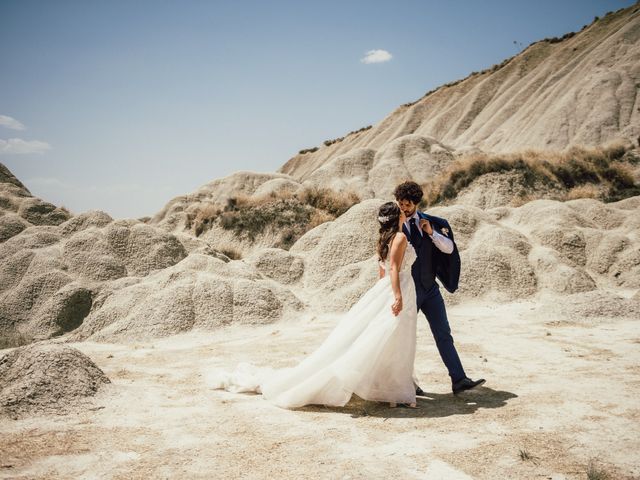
(17, 146)
(376, 56)
(10, 122)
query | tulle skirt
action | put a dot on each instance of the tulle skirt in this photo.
(370, 352)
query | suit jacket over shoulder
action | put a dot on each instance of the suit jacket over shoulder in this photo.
(447, 266)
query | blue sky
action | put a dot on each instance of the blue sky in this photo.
(122, 105)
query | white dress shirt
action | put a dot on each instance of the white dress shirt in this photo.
(443, 243)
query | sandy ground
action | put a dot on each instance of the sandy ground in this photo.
(562, 391)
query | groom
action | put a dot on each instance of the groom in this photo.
(438, 256)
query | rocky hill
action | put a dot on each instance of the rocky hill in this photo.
(256, 266)
(19, 209)
(93, 277)
(259, 247)
(580, 89)
(551, 108)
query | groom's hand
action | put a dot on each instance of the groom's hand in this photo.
(426, 226)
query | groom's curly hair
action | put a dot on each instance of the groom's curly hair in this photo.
(408, 191)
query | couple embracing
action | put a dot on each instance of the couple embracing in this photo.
(371, 351)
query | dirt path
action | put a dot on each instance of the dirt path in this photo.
(563, 391)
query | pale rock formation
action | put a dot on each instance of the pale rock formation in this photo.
(552, 95)
(20, 210)
(46, 379)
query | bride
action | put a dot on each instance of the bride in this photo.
(371, 350)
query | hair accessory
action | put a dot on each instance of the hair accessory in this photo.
(384, 219)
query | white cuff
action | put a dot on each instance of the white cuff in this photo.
(443, 243)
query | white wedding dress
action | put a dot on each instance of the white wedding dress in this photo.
(370, 353)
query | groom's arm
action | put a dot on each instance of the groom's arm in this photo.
(443, 243)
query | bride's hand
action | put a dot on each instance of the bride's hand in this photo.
(396, 308)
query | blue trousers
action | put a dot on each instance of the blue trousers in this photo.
(431, 303)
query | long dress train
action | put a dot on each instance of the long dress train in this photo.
(370, 353)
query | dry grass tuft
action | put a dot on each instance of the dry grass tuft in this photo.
(594, 472)
(602, 172)
(584, 191)
(290, 214)
(327, 143)
(332, 202)
(230, 251)
(318, 218)
(525, 456)
(308, 150)
(66, 210)
(202, 219)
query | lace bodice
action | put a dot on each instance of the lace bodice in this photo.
(409, 257)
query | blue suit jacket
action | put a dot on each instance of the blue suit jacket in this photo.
(446, 265)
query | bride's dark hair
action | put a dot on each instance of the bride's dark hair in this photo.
(388, 216)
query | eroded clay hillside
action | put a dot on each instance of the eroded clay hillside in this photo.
(580, 89)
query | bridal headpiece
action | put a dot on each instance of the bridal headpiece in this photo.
(384, 219)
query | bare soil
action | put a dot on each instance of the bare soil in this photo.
(560, 393)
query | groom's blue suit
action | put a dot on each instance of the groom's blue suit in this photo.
(431, 264)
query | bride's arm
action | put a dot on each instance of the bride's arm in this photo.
(398, 246)
(380, 270)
